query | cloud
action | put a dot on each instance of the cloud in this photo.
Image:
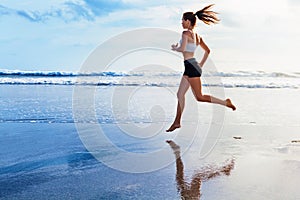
(103, 7)
(68, 11)
(5, 11)
(229, 20)
(31, 16)
(294, 2)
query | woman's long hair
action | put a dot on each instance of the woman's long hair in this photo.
(205, 15)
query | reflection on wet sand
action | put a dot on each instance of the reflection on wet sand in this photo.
(192, 190)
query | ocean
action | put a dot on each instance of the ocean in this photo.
(70, 135)
(240, 79)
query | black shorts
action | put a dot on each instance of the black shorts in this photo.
(192, 68)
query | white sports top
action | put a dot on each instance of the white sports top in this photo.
(190, 46)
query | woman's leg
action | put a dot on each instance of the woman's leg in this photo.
(195, 83)
(183, 87)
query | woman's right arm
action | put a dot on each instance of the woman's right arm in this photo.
(184, 40)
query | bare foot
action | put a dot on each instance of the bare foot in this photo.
(230, 105)
(173, 127)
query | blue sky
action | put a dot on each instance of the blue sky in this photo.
(60, 34)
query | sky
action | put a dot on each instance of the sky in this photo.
(59, 35)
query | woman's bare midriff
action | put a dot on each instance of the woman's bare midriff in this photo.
(187, 55)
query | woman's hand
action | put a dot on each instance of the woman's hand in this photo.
(174, 47)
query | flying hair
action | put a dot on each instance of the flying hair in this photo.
(207, 16)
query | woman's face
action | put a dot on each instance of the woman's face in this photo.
(185, 23)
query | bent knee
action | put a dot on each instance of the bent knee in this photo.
(200, 98)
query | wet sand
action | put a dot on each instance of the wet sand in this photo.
(41, 160)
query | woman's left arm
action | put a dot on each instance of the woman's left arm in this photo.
(207, 51)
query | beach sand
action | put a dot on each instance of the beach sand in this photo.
(42, 156)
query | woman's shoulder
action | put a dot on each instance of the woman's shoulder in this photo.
(186, 33)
